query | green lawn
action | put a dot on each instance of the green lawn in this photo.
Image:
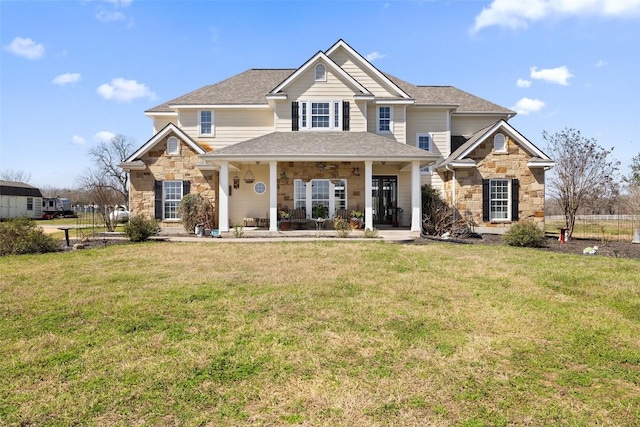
(319, 333)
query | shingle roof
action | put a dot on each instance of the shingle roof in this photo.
(317, 145)
(15, 188)
(249, 87)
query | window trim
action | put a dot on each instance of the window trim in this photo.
(504, 143)
(426, 170)
(255, 185)
(492, 219)
(307, 202)
(211, 123)
(305, 117)
(177, 150)
(323, 76)
(165, 200)
(29, 203)
(379, 130)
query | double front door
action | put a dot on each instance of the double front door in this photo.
(385, 199)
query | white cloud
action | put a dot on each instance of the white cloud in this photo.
(528, 105)
(105, 16)
(523, 83)
(374, 55)
(119, 3)
(26, 48)
(601, 63)
(104, 136)
(519, 14)
(66, 78)
(124, 90)
(77, 140)
(558, 75)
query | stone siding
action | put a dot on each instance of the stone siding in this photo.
(163, 167)
(494, 165)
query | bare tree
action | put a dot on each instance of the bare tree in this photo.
(634, 176)
(106, 156)
(101, 194)
(15, 175)
(584, 172)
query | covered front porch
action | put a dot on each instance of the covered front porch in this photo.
(321, 176)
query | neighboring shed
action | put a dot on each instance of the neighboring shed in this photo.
(19, 199)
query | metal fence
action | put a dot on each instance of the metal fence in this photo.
(601, 227)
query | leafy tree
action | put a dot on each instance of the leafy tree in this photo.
(584, 172)
(15, 175)
(106, 156)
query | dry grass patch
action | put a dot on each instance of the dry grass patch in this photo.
(320, 333)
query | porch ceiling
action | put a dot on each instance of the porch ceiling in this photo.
(314, 146)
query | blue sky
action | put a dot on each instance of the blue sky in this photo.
(72, 72)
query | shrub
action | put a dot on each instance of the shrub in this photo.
(342, 226)
(195, 209)
(238, 230)
(437, 216)
(140, 228)
(22, 236)
(370, 233)
(524, 234)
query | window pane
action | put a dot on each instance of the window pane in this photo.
(424, 142)
(304, 115)
(319, 114)
(385, 119)
(172, 196)
(340, 195)
(205, 122)
(499, 199)
(300, 191)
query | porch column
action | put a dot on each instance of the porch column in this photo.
(273, 195)
(223, 197)
(368, 198)
(416, 197)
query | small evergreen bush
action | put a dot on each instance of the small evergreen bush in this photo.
(524, 234)
(140, 228)
(22, 236)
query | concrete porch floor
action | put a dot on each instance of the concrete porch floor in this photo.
(254, 234)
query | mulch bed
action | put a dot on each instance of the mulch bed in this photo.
(574, 246)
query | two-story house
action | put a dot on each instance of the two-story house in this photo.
(340, 133)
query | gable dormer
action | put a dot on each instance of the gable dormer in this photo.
(362, 70)
(318, 96)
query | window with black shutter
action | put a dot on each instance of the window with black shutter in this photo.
(295, 116)
(345, 115)
(158, 200)
(515, 197)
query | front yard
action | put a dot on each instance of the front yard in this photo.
(319, 333)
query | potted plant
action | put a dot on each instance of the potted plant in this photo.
(285, 220)
(356, 219)
(319, 211)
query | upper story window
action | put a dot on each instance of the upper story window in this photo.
(385, 119)
(499, 143)
(206, 122)
(321, 73)
(320, 115)
(173, 147)
(423, 141)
